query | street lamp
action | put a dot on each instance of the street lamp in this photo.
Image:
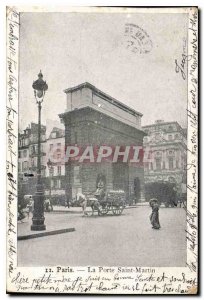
(40, 86)
(51, 170)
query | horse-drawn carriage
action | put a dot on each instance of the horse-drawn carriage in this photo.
(113, 201)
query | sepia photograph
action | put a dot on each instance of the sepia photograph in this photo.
(102, 135)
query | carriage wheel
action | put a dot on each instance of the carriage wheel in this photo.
(117, 210)
(103, 210)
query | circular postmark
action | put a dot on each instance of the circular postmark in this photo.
(137, 40)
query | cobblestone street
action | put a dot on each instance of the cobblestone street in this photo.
(126, 240)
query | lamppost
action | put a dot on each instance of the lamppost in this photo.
(51, 170)
(40, 86)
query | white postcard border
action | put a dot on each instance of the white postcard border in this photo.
(100, 279)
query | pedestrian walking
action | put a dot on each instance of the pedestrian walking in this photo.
(154, 217)
(30, 206)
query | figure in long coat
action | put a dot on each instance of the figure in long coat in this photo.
(154, 217)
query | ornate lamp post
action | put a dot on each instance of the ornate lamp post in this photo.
(40, 86)
(51, 170)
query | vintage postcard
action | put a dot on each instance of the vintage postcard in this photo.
(102, 150)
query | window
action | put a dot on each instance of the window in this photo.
(59, 145)
(170, 128)
(57, 153)
(171, 153)
(164, 165)
(170, 137)
(34, 149)
(19, 154)
(177, 164)
(59, 170)
(24, 153)
(32, 162)
(58, 183)
(158, 163)
(25, 165)
(157, 136)
(52, 183)
(171, 163)
(51, 147)
(53, 135)
(51, 171)
(19, 167)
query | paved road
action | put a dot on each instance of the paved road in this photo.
(126, 240)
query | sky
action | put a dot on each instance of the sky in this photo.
(72, 48)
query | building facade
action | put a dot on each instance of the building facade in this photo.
(28, 150)
(52, 149)
(166, 143)
(27, 157)
(55, 169)
(94, 119)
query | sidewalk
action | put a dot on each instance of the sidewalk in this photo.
(54, 225)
